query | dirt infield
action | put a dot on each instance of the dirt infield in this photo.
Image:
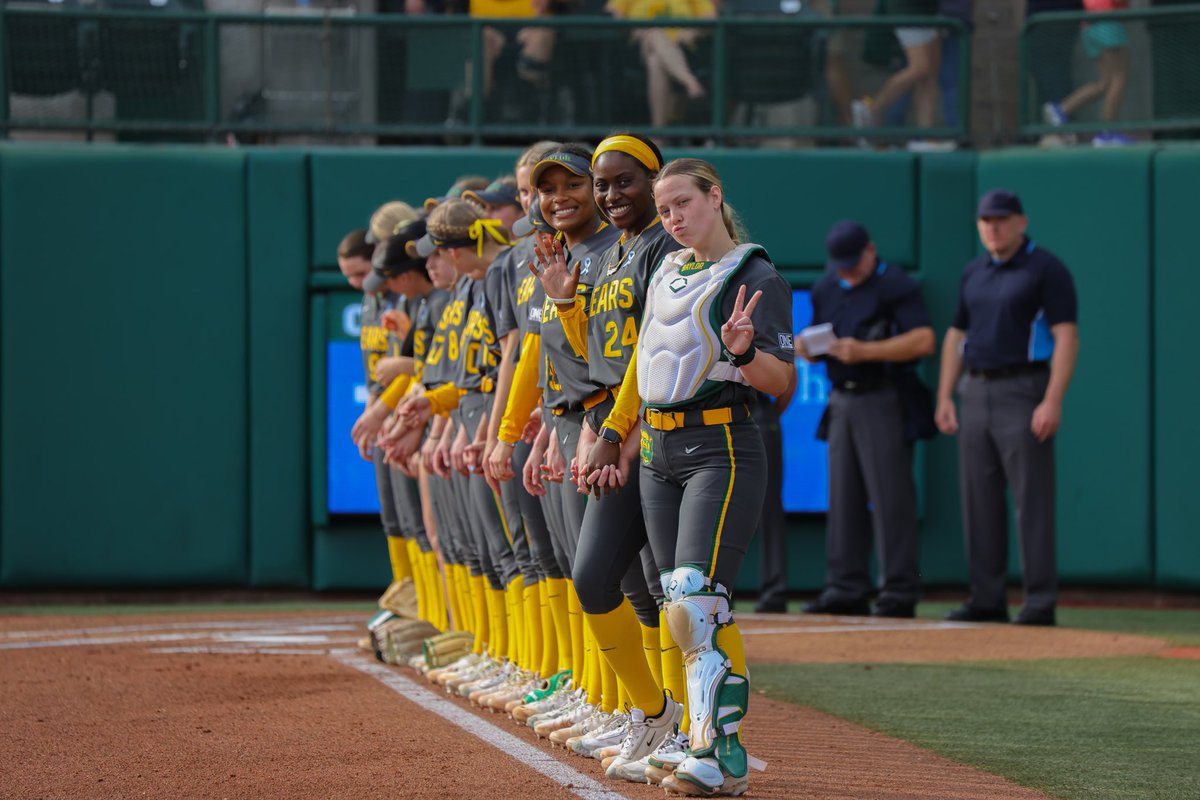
(278, 705)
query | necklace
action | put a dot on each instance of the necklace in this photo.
(616, 263)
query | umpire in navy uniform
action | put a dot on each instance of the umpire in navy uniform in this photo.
(882, 329)
(1014, 336)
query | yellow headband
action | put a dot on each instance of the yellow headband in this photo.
(630, 147)
(486, 227)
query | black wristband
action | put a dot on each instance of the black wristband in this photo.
(741, 360)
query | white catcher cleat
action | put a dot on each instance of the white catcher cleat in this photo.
(646, 733)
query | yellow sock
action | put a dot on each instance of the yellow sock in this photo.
(623, 701)
(652, 650)
(609, 693)
(593, 677)
(550, 638)
(435, 587)
(557, 597)
(464, 588)
(497, 638)
(619, 635)
(533, 625)
(514, 602)
(672, 668)
(479, 608)
(729, 639)
(575, 620)
(459, 585)
(398, 556)
(454, 593)
(418, 576)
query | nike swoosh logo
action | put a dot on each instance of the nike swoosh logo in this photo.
(568, 436)
(692, 449)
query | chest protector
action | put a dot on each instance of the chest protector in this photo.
(679, 347)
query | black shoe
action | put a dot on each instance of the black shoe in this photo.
(771, 607)
(1029, 616)
(970, 613)
(892, 608)
(841, 608)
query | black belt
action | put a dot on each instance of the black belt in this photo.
(863, 386)
(1010, 371)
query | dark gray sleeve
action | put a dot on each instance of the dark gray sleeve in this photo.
(773, 315)
(499, 297)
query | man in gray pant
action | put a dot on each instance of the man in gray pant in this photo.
(1014, 336)
(882, 329)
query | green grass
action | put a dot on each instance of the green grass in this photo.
(1078, 728)
(1102, 728)
(1178, 626)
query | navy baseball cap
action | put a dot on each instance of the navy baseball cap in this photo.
(502, 192)
(999, 203)
(845, 244)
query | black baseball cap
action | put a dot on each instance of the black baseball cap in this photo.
(845, 244)
(999, 203)
(395, 256)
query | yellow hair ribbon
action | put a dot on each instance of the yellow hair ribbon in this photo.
(630, 147)
(489, 227)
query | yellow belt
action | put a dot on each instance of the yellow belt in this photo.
(670, 420)
(595, 399)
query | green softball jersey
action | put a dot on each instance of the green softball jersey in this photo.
(618, 299)
(562, 369)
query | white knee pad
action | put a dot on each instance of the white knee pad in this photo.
(717, 698)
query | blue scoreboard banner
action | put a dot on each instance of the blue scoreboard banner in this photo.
(351, 480)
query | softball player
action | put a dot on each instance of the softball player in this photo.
(613, 540)
(460, 233)
(400, 597)
(717, 327)
(405, 275)
(544, 600)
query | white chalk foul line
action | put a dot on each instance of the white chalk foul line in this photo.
(331, 624)
(577, 783)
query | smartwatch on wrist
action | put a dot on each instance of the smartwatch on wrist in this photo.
(610, 436)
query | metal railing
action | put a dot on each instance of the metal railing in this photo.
(335, 75)
(1061, 52)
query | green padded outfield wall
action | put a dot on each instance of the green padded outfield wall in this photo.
(167, 438)
(1176, 379)
(277, 284)
(1093, 209)
(123, 367)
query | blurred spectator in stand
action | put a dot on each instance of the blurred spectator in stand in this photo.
(1176, 67)
(947, 78)
(922, 50)
(1051, 57)
(663, 51)
(1107, 44)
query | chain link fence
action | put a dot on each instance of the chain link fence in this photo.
(1101, 74)
(777, 73)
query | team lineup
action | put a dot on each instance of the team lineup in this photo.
(562, 367)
